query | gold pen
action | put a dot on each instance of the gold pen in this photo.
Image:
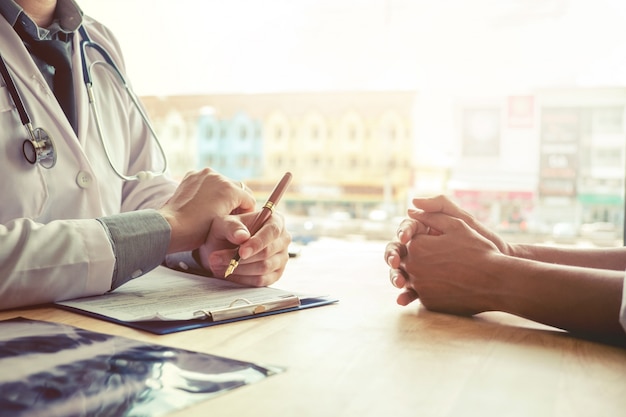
(265, 214)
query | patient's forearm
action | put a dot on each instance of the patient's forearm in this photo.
(602, 258)
(580, 300)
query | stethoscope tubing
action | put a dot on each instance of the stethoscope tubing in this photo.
(48, 146)
(15, 95)
(111, 66)
(87, 79)
(40, 146)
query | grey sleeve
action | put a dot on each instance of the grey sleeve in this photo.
(187, 262)
(140, 240)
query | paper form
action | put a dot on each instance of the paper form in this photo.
(166, 294)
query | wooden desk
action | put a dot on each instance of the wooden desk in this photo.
(366, 356)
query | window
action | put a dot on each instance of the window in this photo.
(208, 132)
(608, 120)
(480, 117)
(315, 133)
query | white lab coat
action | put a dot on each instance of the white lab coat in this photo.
(51, 246)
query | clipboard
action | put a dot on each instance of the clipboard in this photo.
(175, 326)
(242, 307)
(166, 301)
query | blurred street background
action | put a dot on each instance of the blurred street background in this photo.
(513, 108)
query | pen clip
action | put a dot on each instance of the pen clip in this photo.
(242, 307)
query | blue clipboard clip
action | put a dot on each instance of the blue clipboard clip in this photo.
(242, 307)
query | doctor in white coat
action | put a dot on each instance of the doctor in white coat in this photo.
(76, 228)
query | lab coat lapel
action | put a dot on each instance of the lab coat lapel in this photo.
(80, 92)
(30, 80)
(26, 75)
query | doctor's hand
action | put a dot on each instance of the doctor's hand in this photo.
(201, 197)
(263, 256)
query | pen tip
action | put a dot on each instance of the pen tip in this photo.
(231, 267)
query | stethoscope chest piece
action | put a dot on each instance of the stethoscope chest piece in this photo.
(40, 148)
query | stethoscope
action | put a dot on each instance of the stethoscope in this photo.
(39, 147)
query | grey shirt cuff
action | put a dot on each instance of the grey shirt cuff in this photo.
(140, 240)
(187, 262)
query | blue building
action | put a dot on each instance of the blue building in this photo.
(234, 147)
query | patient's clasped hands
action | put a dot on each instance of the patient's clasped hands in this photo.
(454, 264)
(438, 255)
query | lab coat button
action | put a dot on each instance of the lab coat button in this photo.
(84, 179)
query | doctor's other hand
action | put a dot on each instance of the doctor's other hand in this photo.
(201, 197)
(263, 257)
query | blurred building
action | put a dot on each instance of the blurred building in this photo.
(551, 159)
(494, 169)
(582, 155)
(536, 162)
(349, 152)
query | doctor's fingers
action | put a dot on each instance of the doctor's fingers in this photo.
(260, 272)
(260, 269)
(242, 185)
(233, 230)
(271, 238)
(206, 193)
(200, 198)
